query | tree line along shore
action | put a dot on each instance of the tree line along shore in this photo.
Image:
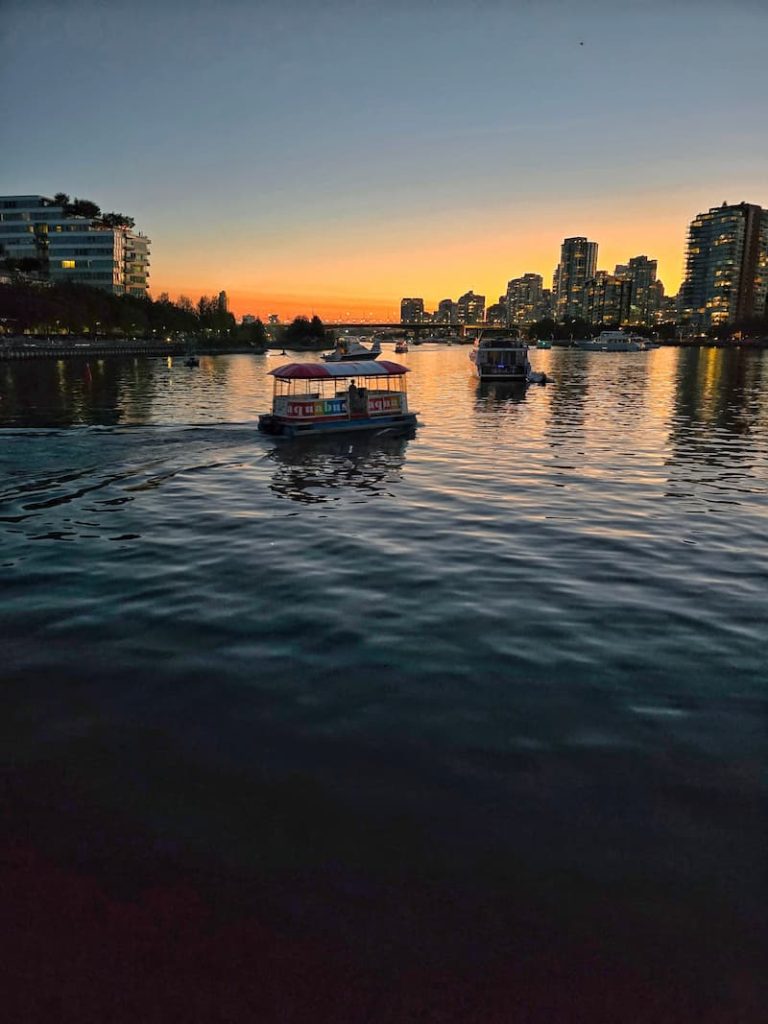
(71, 319)
(62, 315)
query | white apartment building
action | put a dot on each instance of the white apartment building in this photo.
(72, 248)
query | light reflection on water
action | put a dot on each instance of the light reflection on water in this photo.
(532, 634)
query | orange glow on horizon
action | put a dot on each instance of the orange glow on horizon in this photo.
(287, 307)
(362, 271)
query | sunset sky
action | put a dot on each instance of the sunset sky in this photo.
(334, 157)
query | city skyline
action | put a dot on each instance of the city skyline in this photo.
(726, 281)
(332, 161)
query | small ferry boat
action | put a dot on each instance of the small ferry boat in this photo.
(500, 358)
(316, 398)
(612, 341)
(401, 347)
(349, 349)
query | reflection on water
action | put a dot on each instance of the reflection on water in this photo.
(104, 392)
(717, 391)
(567, 391)
(717, 425)
(490, 695)
(698, 386)
(490, 393)
(65, 392)
(313, 470)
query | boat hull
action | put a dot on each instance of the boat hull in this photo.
(612, 341)
(489, 373)
(610, 346)
(350, 357)
(279, 427)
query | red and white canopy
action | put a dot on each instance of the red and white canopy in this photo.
(319, 371)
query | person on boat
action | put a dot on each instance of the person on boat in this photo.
(356, 398)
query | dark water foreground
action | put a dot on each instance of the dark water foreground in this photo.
(466, 727)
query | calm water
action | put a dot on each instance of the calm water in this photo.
(472, 721)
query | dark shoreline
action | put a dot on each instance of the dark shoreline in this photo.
(78, 348)
(75, 348)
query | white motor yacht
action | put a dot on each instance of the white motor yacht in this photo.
(349, 349)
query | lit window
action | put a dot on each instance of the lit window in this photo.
(68, 264)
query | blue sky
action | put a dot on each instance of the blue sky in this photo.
(370, 150)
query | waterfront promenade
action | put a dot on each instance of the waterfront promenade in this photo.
(71, 347)
(16, 348)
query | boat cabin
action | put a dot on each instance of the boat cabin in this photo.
(501, 359)
(312, 398)
(351, 349)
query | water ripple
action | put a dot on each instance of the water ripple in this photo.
(542, 617)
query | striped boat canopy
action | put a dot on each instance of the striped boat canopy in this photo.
(319, 371)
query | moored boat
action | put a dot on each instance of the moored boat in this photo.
(349, 349)
(316, 398)
(612, 341)
(500, 358)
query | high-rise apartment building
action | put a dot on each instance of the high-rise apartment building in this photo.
(497, 312)
(578, 263)
(74, 248)
(446, 312)
(411, 311)
(470, 309)
(726, 272)
(607, 299)
(135, 263)
(647, 292)
(668, 306)
(525, 299)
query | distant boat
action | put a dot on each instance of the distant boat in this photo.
(348, 349)
(401, 347)
(612, 341)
